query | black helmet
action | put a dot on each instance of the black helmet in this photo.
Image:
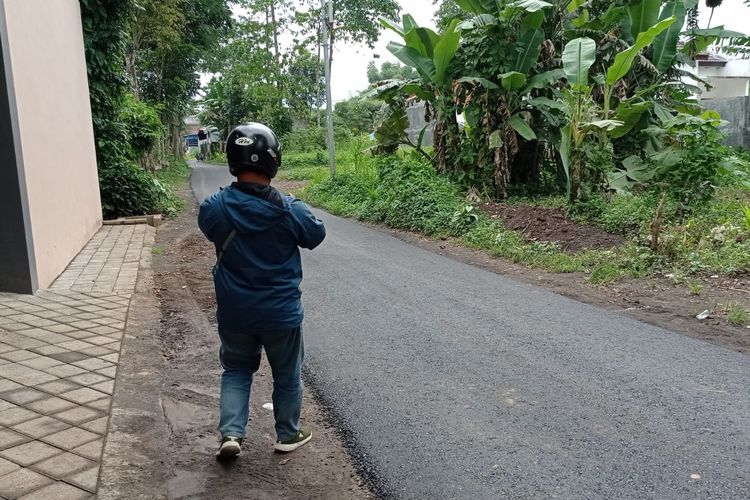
(253, 147)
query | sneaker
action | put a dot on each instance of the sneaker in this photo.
(230, 447)
(303, 436)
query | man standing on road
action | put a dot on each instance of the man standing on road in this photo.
(257, 232)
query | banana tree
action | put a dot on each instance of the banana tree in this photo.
(500, 107)
(637, 17)
(588, 122)
(431, 55)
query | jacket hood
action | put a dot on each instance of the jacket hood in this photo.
(250, 214)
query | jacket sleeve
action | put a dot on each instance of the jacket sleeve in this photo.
(207, 220)
(310, 229)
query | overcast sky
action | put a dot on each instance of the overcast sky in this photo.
(350, 62)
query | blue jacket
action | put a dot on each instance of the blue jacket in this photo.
(257, 282)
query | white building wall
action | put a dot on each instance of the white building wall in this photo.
(48, 70)
(730, 80)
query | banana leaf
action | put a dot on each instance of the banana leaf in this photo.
(445, 51)
(530, 44)
(629, 114)
(565, 151)
(478, 21)
(412, 58)
(393, 26)
(544, 102)
(409, 23)
(512, 80)
(624, 60)
(474, 6)
(573, 5)
(542, 80)
(479, 80)
(665, 45)
(577, 58)
(641, 16)
(423, 40)
(531, 5)
(532, 21)
(522, 127)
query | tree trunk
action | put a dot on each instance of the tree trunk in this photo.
(131, 60)
(277, 53)
(525, 167)
(275, 33)
(132, 72)
(317, 76)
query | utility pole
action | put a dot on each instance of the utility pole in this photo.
(326, 11)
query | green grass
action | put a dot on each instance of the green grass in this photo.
(696, 287)
(405, 193)
(301, 173)
(173, 174)
(605, 273)
(170, 178)
(737, 315)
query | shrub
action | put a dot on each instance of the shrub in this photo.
(308, 159)
(357, 114)
(142, 125)
(411, 195)
(308, 139)
(689, 164)
(620, 213)
(127, 189)
(404, 192)
(312, 138)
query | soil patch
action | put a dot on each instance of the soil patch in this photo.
(551, 225)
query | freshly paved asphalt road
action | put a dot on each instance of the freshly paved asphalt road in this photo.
(455, 382)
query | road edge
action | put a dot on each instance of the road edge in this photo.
(134, 463)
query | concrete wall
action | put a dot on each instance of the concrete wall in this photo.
(731, 79)
(726, 87)
(44, 44)
(736, 111)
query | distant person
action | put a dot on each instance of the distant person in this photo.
(257, 232)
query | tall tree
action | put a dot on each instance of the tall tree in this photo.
(156, 23)
(175, 39)
(389, 71)
(356, 21)
(105, 38)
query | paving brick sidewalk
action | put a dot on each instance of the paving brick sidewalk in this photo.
(59, 351)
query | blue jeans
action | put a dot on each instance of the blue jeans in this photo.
(240, 356)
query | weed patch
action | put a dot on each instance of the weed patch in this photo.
(404, 192)
(737, 315)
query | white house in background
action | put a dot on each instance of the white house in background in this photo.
(729, 93)
(728, 77)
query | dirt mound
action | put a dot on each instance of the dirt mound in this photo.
(551, 225)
